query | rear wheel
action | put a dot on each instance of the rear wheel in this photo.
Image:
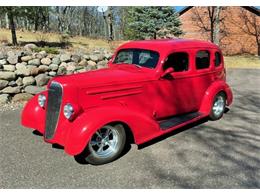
(106, 145)
(218, 106)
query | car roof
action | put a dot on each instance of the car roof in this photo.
(168, 44)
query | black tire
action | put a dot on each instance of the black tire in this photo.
(219, 99)
(89, 155)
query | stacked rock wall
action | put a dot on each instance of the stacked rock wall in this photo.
(25, 73)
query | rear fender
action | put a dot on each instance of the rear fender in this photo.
(211, 92)
(85, 125)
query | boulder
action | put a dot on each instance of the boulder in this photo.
(3, 84)
(56, 60)
(42, 79)
(2, 55)
(12, 84)
(43, 68)
(10, 68)
(11, 90)
(100, 57)
(100, 66)
(33, 71)
(75, 58)
(3, 62)
(108, 55)
(50, 56)
(28, 81)
(63, 64)
(4, 98)
(52, 73)
(102, 63)
(91, 63)
(94, 58)
(19, 81)
(65, 57)
(83, 63)
(33, 89)
(61, 70)
(71, 67)
(22, 97)
(88, 68)
(86, 57)
(46, 61)
(7, 75)
(20, 65)
(43, 53)
(12, 58)
(54, 67)
(23, 72)
(30, 46)
(81, 70)
(35, 62)
(26, 58)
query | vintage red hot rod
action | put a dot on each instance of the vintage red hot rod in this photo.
(150, 88)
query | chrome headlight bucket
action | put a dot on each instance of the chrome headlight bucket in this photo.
(68, 111)
(41, 100)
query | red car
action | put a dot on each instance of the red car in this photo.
(151, 87)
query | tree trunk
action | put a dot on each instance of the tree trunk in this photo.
(12, 27)
(154, 35)
(216, 29)
(6, 21)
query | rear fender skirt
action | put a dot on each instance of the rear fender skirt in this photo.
(211, 92)
(85, 125)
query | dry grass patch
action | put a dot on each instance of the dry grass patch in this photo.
(242, 61)
(77, 42)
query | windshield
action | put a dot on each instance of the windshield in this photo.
(140, 57)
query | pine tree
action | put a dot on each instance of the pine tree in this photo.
(152, 22)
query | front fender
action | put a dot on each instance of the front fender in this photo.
(33, 115)
(211, 92)
(85, 125)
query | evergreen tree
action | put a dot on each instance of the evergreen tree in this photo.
(152, 22)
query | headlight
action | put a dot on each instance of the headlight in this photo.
(68, 111)
(41, 100)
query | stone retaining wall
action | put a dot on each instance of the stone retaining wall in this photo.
(25, 73)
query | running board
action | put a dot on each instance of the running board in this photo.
(177, 120)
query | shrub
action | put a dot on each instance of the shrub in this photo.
(42, 38)
(50, 50)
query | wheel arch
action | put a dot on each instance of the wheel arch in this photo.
(137, 127)
(211, 92)
(129, 134)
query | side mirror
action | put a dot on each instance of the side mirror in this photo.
(167, 72)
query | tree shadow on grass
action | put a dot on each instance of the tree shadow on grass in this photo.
(61, 45)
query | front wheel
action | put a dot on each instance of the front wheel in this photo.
(218, 106)
(106, 145)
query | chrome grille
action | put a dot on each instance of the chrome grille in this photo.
(53, 109)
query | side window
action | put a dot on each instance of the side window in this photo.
(179, 61)
(217, 59)
(202, 60)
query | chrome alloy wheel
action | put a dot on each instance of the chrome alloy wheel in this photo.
(219, 106)
(104, 143)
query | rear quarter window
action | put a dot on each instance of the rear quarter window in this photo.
(202, 60)
(218, 59)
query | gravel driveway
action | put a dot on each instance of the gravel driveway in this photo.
(221, 154)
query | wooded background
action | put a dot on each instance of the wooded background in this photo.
(116, 23)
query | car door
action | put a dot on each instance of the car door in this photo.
(203, 74)
(175, 91)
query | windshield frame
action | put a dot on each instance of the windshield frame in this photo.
(139, 65)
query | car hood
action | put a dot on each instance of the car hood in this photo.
(114, 75)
